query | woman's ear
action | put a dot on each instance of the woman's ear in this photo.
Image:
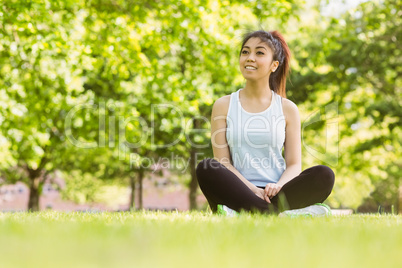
(275, 65)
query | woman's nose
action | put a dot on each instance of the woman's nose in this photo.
(251, 58)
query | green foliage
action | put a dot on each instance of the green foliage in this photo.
(352, 63)
(86, 188)
(80, 188)
(6, 159)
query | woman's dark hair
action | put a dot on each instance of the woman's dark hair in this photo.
(281, 53)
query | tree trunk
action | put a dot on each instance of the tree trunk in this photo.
(34, 193)
(193, 183)
(140, 179)
(37, 178)
(132, 194)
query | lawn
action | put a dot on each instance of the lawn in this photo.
(197, 239)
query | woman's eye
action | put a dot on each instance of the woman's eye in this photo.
(260, 52)
(244, 52)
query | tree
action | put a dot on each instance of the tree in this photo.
(37, 56)
(351, 63)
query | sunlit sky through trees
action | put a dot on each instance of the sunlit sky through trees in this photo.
(336, 8)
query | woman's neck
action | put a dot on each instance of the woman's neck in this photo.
(257, 90)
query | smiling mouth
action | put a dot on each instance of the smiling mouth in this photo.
(250, 68)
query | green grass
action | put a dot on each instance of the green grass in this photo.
(198, 239)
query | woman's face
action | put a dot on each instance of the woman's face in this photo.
(256, 60)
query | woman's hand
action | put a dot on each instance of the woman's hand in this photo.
(272, 189)
(261, 194)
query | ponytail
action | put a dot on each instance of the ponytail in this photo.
(281, 53)
(277, 79)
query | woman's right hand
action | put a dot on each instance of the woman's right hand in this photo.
(261, 194)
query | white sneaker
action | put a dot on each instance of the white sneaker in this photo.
(316, 210)
(226, 211)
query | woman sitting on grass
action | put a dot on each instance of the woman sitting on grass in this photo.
(249, 129)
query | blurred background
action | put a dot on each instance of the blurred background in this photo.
(106, 104)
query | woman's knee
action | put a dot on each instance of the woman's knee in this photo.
(205, 168)
(202, 167)
(325, 173)
(203, 164)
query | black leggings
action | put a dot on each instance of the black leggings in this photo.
(222, 186)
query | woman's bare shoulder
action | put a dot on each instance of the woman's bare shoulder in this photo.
(221, 105)
(290, 109)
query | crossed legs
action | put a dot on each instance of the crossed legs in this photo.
(221, 186)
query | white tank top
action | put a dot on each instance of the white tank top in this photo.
(256, 140)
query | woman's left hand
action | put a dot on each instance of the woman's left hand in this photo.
(272, 189)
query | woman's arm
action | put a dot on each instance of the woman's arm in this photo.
(292, 149)
(220, 146)
(292, 142)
